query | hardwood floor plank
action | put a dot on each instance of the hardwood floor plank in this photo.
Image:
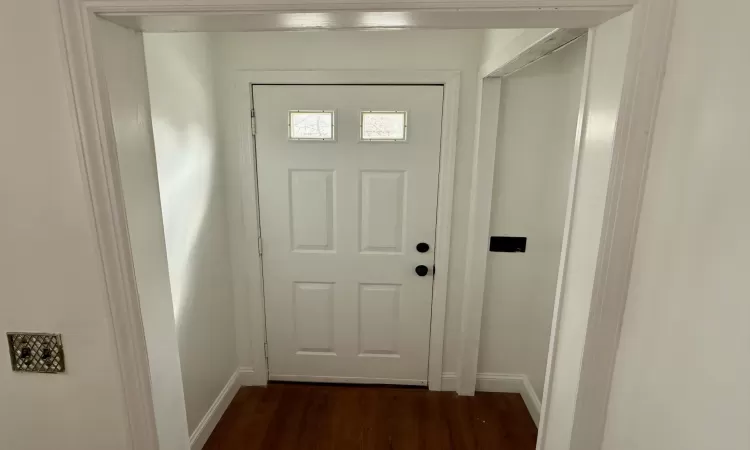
(295, 416)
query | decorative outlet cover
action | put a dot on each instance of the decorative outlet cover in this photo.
(36, 352)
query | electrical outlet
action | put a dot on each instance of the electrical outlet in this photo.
(36, 352)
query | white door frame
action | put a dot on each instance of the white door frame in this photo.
(643, 74)
(243, 140)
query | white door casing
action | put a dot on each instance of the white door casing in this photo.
(340, 221)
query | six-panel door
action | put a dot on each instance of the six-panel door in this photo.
(348, 188)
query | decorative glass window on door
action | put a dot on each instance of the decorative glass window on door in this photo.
(387, 126)
(311, 125)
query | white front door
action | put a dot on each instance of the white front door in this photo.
(347, 182)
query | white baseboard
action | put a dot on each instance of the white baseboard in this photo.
(249, 377)
(448, 382)
(533, 402)
(502, 382)
(349, 380)
(208, 423)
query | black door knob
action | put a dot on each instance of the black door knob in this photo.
(423, 247)
(421, 270)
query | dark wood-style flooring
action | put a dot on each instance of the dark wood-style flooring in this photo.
(288, 416)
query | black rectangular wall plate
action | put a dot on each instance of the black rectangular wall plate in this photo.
(507, 244)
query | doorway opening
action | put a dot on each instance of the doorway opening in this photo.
(212, 178)
(337, 179)
(347, 191)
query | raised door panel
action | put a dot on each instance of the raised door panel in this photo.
(382, 211)
(379, 322)
(312, 210)
(313, 318)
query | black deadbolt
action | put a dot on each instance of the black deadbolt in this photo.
(423, 247)
(421, 270)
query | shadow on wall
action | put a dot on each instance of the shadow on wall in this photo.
(187, 180)
(194, 214)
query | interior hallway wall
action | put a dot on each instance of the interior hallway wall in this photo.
(50, 270)
(681, 376)
(684, 322)
(376, 50)
(500, 46)
(191, 184)
(536, 135)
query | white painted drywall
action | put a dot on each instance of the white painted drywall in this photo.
(494, 45)
(608, 54)
(123, 66)
(380, 50)
(536, 136)
(50, 272)
(190, 168)
(503, 45)
(682, 374)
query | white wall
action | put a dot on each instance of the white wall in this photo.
(397, 50)
(538, 115)
(123, 66)
(50, 272)
(495, 49)
(503, 45)
(190, 170)
(682, 374)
